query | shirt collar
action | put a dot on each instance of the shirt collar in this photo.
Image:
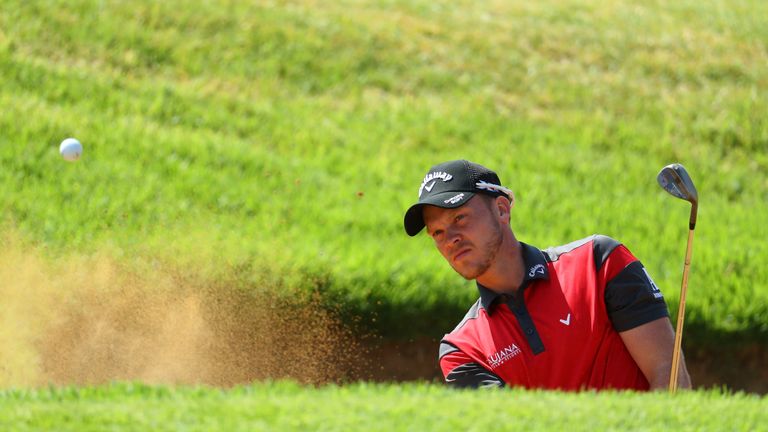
(535, 265)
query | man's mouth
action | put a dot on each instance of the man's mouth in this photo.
(460, 254)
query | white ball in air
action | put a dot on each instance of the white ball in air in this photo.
(71, 149)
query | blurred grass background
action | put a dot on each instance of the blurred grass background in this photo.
(276, 145)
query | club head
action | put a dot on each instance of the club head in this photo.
(674, 179)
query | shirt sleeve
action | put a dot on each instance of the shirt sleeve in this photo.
(461, 371)
(633, 299)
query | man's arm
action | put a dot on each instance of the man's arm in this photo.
(461, 371)
(639, 314)
(651, 346)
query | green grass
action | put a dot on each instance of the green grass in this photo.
(411, 407)
(278, 145)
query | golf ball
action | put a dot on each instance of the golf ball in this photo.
(71, 149)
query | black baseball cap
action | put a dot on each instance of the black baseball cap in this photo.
(451, 184)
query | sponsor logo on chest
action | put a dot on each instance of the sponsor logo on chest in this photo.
(498, 358)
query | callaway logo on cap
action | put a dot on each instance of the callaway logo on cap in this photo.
(450, 185)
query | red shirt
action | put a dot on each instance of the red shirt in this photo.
(561, 329)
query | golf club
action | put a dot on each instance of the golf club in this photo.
(674, 179)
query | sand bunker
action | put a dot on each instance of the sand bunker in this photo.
(88, 320)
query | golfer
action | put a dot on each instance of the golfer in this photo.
(585, 315)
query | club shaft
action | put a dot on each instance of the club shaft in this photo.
(676, 354)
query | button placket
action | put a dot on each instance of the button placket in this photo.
(517, 305)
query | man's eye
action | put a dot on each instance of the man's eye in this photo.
(437, 233)
(459, 217)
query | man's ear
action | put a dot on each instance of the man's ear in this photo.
(502, 207)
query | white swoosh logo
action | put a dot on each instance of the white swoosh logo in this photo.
(429, 188)
(566, 321)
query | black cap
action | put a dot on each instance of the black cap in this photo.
(450, 185)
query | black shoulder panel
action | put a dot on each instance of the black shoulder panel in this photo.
(633, 299)
(602, 248)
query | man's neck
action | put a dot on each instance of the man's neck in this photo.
(505, 275)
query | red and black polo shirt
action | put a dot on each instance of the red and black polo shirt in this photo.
(561, 329)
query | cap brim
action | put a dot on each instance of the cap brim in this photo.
(414, 219)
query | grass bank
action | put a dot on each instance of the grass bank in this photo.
(410, 407)
(276, 146)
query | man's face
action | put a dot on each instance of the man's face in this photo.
(468, 237)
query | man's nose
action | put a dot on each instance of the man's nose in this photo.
(452, 236)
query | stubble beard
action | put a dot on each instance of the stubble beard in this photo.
(490, 249)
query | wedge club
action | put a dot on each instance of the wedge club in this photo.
(674, 179)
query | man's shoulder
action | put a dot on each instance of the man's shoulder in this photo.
(472, 314)
(600, 245)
